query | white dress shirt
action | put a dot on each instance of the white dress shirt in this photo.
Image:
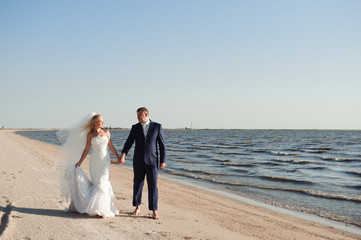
(145, 127)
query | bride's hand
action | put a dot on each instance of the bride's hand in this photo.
(78, 164)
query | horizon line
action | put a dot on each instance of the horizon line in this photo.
(190, 129)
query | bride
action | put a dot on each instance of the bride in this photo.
(93, 196)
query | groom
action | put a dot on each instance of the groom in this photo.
(148, 139)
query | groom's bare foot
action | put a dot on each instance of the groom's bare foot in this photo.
(155, 215)
(136, 211)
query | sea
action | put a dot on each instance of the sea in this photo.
(316, 172)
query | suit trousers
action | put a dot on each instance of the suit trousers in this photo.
(151, 172)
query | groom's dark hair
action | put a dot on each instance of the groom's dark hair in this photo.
(142, 109)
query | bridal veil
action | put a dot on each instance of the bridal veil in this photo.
(74, 138)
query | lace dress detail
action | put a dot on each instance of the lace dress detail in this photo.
(94, 196)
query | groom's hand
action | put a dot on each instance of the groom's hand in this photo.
(121, 159)
(162, 165)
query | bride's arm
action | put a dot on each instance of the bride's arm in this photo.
(111, 147)
(86, 150)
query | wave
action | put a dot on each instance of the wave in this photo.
(283, 153)
(221, 160)
(296, 161)
(200, 148)
(317, 168)
(212, 146)
(322, 213)
(203, 172)
(283, 179)
(232, 153)
(356, 173)
(174, 173)
(271, 163)
(279, 153)
(293, 149)
(330, 196)
(326, 148)
(240, 164)
(313, 151)
(299, 191)
(306, 191)
(186, 161)
(259, 151)
(316, 150)
(180, 150)
(336, 159)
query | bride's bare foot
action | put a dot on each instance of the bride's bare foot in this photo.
(71, 208)
(155, 215)
(136, 211)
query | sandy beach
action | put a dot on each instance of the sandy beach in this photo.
(30, 207)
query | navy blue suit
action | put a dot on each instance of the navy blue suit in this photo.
(149, 152)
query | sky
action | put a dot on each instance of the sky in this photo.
(254, 64)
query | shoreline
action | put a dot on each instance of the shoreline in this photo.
(302, 215)
(187, 212)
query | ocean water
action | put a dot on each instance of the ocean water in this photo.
(312, 171)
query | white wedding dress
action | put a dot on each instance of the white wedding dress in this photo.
(95, 196)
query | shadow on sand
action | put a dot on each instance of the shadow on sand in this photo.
(40, 211)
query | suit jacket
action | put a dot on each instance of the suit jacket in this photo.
(146, 148)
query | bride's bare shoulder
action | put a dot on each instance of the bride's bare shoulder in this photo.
(90, 135)
(106, 132)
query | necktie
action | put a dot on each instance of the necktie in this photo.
(145, 129)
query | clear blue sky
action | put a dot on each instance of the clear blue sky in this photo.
(215, 64)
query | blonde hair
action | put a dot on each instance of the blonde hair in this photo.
(90, 125)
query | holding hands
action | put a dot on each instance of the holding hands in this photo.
(121, 159)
